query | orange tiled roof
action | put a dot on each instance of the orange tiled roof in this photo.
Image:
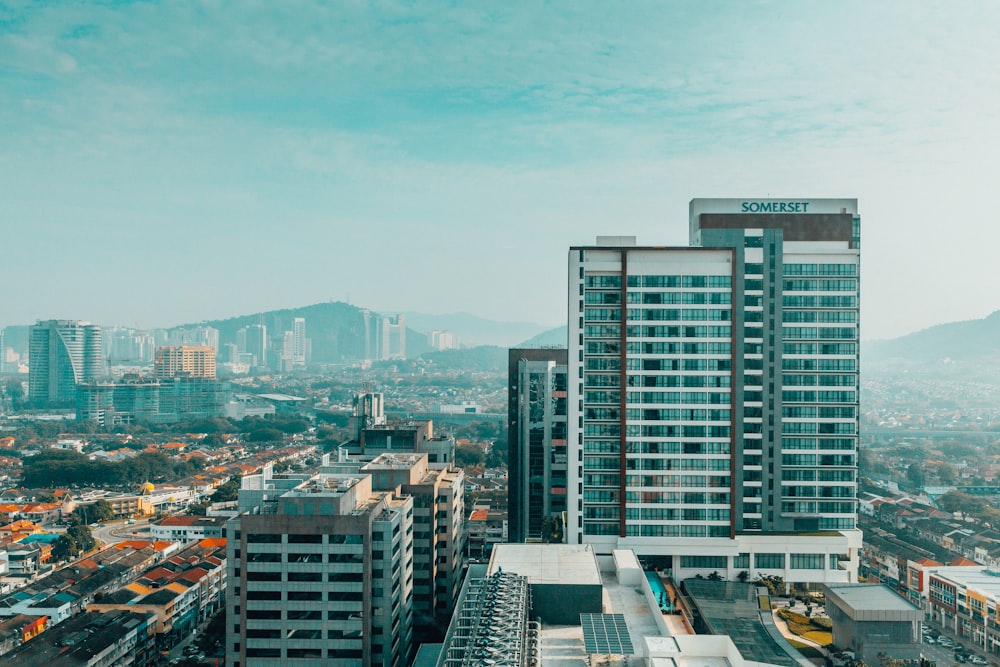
(479, 515)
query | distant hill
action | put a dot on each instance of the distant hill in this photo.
(964, 341)
(552, 338)
(473, 330)
(336, 329)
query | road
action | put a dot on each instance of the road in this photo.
(944, 656)
(112, 533)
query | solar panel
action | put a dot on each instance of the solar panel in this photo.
(606, 634)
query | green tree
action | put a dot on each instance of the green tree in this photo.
(229, 491)
(468, 456)
(915, 474)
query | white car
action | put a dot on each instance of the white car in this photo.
(978, 660)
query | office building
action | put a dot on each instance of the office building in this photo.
(385, 337)
(62, 353)
(536, 437)
(320, 571)
(438, 494)
(197, 361)
(713, 393)
(253, 340)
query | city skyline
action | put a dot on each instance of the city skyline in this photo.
(150, 157)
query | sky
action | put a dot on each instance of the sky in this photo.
(169, 162)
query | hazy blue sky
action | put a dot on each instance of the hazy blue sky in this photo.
(175, 161)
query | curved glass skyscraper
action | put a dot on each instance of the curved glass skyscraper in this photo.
(62, 353)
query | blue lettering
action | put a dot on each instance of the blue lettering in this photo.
(774, 207)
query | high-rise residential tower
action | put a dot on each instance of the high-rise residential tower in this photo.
(185, 360)
(713, 393)
(62, 353)
(536, 437)
(299, 342)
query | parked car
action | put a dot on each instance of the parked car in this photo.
(929, 640)
(977, 660)
(960, 657)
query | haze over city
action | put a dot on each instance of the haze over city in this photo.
(167, 163)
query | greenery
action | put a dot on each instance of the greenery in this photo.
(229, 491)
(974, 506)
(92, 513)
(813, 629)
(58, 468)
(469, 456)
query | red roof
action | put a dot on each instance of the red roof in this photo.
(479, 515)
(927, 561)
(960, 561)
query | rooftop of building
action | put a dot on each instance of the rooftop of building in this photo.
(871, 597)
(393, 461)
(78, 640)
(734, 609)
(980, 578)
(547, 563)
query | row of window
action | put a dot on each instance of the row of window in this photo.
(817, 459)
(304, 614)
(678, 331)
(818, 443)
(673, 530)
(819, 396)
(809, 507)
(656, 381)
(677, 447)
(280, 538)
(818, 301)
(339, 577)
(675, 514)
(817, 491)
(820, 348)
(677, 481)
(792, 475)
(807, 285)
(714, 465)
(676, 498)
(821, 317)
(677, 397)
(797, 380)
(655, 298)
(822, 412)
(668, 364)
(677, 414)
(304, 653)
(677, 314)
(824, 333)
(305, 596)
(822, 428)
(819, 364)
(821, 269)
(276, 557)
(679, 281)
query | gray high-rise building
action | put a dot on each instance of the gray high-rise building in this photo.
(62, 353)
(713, 392)
(536, 439)
(254, 341)
(320, 572)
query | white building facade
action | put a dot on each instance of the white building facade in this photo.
(713, 392)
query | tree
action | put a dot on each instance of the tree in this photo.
(468, 456)
(229, 491)
(915, 474)
(946, 473)
(743, 576)
(94, 512)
